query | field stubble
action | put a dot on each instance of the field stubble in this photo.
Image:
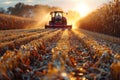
(57, 54)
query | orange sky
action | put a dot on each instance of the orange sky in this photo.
(82, 6)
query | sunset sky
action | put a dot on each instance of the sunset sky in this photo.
(82, 6)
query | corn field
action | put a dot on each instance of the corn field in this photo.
(105, 19)
(14, 22)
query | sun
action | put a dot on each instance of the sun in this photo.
(83, 9)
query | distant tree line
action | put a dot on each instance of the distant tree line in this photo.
(25, 10)
(104, 20)
(31, 11)
(2, 10)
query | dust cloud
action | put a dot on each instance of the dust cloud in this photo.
(43, 17)
(73, 17)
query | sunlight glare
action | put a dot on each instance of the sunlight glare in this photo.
(83, 9)
(74, 27)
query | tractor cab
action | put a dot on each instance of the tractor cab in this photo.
(57, 15)
(58, 21)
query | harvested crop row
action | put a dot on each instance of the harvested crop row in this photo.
(18, 42)
(96, 60)
(29, 61)
(15, 36)
(11, 35)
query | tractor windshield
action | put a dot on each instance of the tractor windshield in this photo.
(58, 14)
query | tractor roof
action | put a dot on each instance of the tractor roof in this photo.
(56, 12)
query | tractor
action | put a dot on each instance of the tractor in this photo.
(58, 21)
